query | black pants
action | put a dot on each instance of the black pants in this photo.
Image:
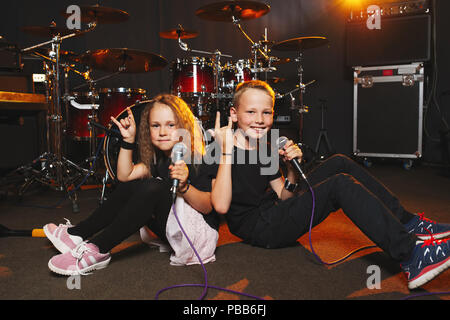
(131, 206)
(339, 183)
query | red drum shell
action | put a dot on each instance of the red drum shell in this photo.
(192, 76)
(114, 101)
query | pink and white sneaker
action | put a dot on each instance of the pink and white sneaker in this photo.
(60, 238)
(80, 261)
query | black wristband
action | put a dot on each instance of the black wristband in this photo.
(290, 186)
(187, 188)
(127, 145)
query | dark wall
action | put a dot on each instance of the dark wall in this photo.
(287, 19)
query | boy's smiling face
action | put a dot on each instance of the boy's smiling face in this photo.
(254, 114)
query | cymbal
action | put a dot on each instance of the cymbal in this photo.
(123, 59)
(225, 11)
(47, 31)
(178, 33)
(100, 14)
(299, 44)
(276, 80)
(64, 54)
(275, 61)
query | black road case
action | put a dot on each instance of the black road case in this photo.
(388, 111)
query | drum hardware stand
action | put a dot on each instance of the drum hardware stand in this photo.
(258, 69)
(301, 89)
(323, 131)
(55, 169)
(255, 46)
(217, 67)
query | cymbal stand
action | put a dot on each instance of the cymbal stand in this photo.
(301, 90)
(56, 171)
(256, 49)
(266, 50)
(255, 46)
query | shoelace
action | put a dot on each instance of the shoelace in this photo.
(422, 217)
(432, 241)
(78, 254)
(67, 224)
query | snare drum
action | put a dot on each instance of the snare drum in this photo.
(78, 119)
(192, 77)
(114, 101)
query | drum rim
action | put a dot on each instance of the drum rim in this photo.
(85, 93)
(106, 159)
(193, 60)
(122, 90)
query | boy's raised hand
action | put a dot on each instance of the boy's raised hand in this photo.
(127, 127)
(224, 135)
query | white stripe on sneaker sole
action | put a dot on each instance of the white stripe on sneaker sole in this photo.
(428, 276)
(64, 272)
(436, 236)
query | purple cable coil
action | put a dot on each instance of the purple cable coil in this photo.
(205, 285)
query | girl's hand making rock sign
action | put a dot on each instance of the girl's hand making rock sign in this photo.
(127, 127)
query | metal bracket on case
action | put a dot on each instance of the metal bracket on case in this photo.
(366, 81)
(408, 80)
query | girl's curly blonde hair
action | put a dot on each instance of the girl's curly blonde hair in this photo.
(185, 120)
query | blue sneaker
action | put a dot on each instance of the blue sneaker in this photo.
(429, 259)
(423, 228)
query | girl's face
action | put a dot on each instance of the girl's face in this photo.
(254, 115)
(163, 125)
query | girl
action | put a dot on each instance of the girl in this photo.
(278, 218)
(143, 196)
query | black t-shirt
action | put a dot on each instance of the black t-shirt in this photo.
(200, 177)
(251, 190)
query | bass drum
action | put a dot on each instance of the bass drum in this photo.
(111, 146)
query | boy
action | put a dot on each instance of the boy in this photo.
(278, 218)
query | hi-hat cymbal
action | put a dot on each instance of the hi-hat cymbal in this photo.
(225, 11)
(178, 33)
(102, 15)
(123, 59)
(299, 44)
(47, 31)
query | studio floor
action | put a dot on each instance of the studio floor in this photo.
(138, 272)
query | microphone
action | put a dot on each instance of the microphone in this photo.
(178, 152)
(281, 142)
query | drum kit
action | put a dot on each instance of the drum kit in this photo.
(205, 80)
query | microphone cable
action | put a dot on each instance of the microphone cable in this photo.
(205, 285)
(310, 235)
(353, 252)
